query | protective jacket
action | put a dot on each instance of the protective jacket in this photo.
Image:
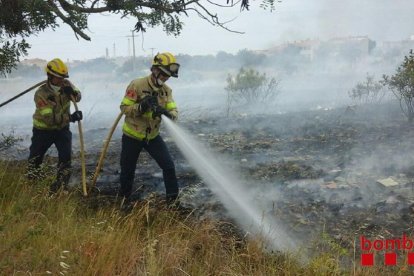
(143, 125)
(53, 108)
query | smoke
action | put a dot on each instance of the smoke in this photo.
(380, 19)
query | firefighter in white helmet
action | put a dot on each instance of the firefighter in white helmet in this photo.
(51, 122)
(145, 100)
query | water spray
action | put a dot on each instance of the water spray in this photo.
(231, 191)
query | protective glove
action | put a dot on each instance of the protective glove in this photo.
(76, 116)
(148, 103)
(161, 111)
(68, 90)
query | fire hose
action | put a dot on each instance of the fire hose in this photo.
(104, 150)
(82, 151)
(79, 126)
(24, 92)
(108, 139)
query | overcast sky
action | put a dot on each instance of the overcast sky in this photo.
(381, 20)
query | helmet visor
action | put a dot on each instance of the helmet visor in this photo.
(172, 69)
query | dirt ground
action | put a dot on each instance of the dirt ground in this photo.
(328, 164)
(346, 172)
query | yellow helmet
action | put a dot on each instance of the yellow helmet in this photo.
(57, 68)
(167, 64)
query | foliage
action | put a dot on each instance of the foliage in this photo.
(250, 58)
(20, 19)
(97, 65)
(7, 141)
(269, 4)
(27, 71)
(10, 53)
(69, 234)
(130, 67)
(367, 91)
(288, 59)
(250, 87)
(402, 85)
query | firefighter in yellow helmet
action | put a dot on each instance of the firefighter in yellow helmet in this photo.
(51, 122)
(145, 101)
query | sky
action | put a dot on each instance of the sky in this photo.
(381, 20)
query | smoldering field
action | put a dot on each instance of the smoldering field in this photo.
(309, 160)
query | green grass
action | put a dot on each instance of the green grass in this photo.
(73, 235)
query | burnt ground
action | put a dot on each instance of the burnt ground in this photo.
(327, 166)
(323, 167)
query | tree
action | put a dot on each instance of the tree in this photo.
(250, 88)
(20, 19)
(367, 91)
(27, 71)
(402, 85)
(250, 58)
(7, 141)
(130, 67)
(97, 65)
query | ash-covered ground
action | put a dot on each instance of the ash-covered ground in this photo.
(346, 172)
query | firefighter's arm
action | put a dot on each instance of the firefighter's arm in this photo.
(45, 108)
(70, 89)
(171, 106)
(129, 105)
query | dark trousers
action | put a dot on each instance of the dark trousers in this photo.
(42, 140)
(131, 148)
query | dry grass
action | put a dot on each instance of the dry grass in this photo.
(68, 234)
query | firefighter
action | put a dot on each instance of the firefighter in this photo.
(51, 123)
(145, 100)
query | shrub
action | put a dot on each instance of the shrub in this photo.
(402, 85)
(367, 91)
(250, 88)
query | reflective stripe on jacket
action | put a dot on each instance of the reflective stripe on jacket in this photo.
(143, 126)
(52, 108)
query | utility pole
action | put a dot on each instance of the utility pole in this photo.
(133, 49)
(152, 52)
(129, 48)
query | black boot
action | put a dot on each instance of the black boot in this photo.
(171, 185)
(54, 188)
(125, 189)
(171, 199)
(62, 179)
(33, 171)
